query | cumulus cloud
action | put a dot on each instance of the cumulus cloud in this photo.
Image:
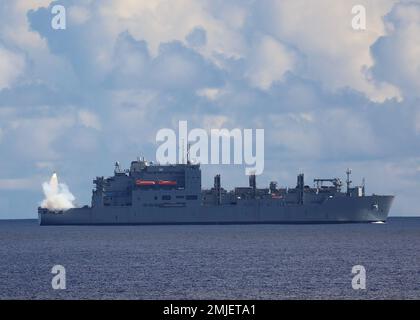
(175, 67)
(14, 24)
(397, 52)
(162, 21)
(179, 67)
(335, 54)
(197, 37)
(268, 61)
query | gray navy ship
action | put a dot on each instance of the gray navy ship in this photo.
(150, 193)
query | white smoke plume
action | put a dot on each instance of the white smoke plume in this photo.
(57, 195)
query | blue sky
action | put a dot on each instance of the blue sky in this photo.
(329, 97)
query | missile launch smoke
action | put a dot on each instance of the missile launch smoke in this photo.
(57, 195)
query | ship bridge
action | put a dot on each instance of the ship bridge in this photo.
(150, 184)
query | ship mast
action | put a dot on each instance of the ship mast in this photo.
(348, 182)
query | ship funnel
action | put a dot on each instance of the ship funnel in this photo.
(301, 187)
(253, 184)
(218, 189)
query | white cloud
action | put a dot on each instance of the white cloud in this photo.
(330, 51)
(164, 21)
(89, 119)
(43, 132)
(19, 184)
(209, 93)
(14, 26)
(214, 122)
(42, 139)
(268, 61)
(12, 66)
(335, 54)
(397, 53)
(78, 14)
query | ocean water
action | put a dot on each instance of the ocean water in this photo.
(211, 262)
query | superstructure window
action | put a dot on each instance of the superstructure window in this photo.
(166, 197)
(191, 197)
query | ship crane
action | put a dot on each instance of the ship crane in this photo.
(335, 181)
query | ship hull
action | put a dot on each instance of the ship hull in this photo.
(336, 210)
